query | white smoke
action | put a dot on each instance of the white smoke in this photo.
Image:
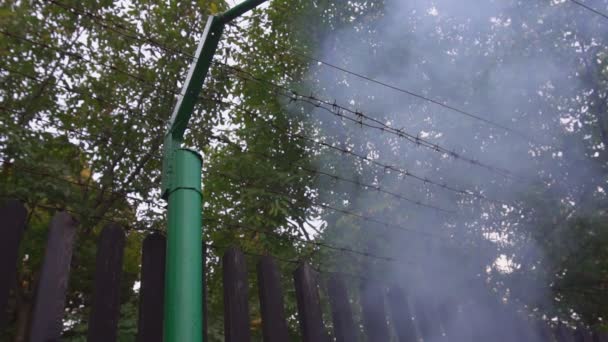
(512, 63)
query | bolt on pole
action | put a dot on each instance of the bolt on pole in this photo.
(181, 187)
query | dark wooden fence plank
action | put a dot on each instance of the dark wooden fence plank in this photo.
(152, 290)
(466, 321)
(401, 315)
(236, 306)
(309, 306)
(440, 319)
(581, 334)
(274, 324)
(105, 309)
(519, 325)
(599, 336)
(564, 334)
(12, 224)
(342, 315)
(544, 331)
(53, 283)
(423, 319)
(373, 311)
(448, 312)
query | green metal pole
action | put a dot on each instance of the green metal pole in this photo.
(181, 187)
(183, 312)
(184, 265)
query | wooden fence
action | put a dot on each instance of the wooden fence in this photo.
(386, 311)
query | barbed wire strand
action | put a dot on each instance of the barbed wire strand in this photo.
(125, 226)
(469, 114)
(345, 151)
(88, 136)
(404, 172)
(346, 212)
(338, 110)
(309, 170)
(290, 238)
(34, 172)
(310, 99)
(41, 173)
(366, 186)
(589, 8)
(120, 29)
(143, 80)
(335, 109)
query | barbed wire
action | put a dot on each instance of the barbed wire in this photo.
(335, 109)
(589, 8)
(217, 247)
(309, 170)
(34, 172)
(336, 177)
(339, 210)
(90, 61)
(125, 226)
(120, 29)
(87, 136)
(312, 171)
(325, 206)
(223, 139)
(45, 174)
(302, 55)
(128, 227)
(292, 238)
(377, 188)
(317, 268)
(72, 90)
(344, 151)
(389, 167)
(139, 200)
(359, 118)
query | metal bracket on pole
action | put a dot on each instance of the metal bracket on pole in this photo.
(194, 83)
(188, 97)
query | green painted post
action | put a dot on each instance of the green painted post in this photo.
(181, 187)
(184, 265)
